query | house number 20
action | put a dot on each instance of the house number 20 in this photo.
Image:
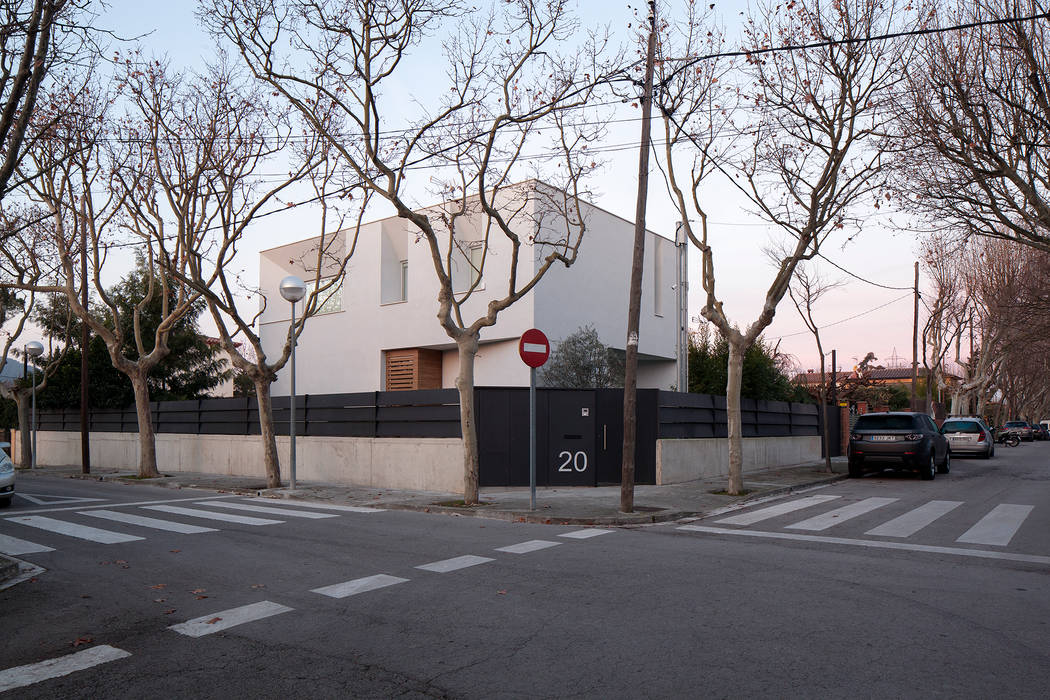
(573, 460)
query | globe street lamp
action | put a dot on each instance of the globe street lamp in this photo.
(34, 349)
(292, 289)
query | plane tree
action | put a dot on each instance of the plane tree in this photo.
(804, 146)
(517, 75)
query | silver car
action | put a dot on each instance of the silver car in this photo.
(7, 476)
(969, 436)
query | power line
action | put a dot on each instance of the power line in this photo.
(844, 320)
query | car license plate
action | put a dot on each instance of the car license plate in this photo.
(883, 438)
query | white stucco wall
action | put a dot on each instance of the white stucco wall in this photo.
(343, 351)
(423, 464)
(687, 459)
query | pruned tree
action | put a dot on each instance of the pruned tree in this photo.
(976, 122)
(70, 172)
(200, 181)
(582, 361)
(807, 289)
(806, 156)
(507, 88)
(38, 36)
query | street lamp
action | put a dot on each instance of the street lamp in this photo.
(292, 289)
(34, 349)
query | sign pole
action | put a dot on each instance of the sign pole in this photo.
(532, 438)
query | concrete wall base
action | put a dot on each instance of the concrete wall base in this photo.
(422, 464)
(688, 459)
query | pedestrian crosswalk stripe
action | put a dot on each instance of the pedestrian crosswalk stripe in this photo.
(143, 521)
(269, 510)
(13, 546)
(761, 514)
(584, 534)
(454, 564)
(210, 515)
(874, 544)
(21, 676)
(914, 520)
(334, 506)
(83, 532)
(526, 547)
(359, 585)
(217, 622)
(840, 515)
(998, 527)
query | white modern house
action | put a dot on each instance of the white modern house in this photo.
(380, 330)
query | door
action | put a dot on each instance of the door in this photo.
(570, 445)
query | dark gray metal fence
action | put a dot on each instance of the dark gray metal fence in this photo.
(432, 413)
(579, 432)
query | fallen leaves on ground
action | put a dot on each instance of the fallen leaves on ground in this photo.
(174, 551)
(159, 586)
(258, 585)
(169, 611)
(201, 597)
(81, 641)
(197, 590)
(213, 620)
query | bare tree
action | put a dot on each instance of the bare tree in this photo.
(808, 288)
(201, 180)
(37, 36)
(507, 89)
(976, 125)
(810, 151)
(72, 170)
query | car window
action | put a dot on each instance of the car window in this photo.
(961, 426)
(884, 422)
(1015, 424)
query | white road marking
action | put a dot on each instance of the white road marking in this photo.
(755, 516)
(359, 585)
(839, 515)
(875, 544)
(914, 520)
(526, 547)
(270, 510)
(209, 515)
(39, 499)
(584, 534)
(82, 532)
(217, 622)
(111, 504)
(142, 520)
(454, 564)
(333, 506)
(14, 546)
(998, 527)
(21, 676)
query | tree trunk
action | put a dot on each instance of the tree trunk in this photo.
(468, 349)
(147, 439)
(269, 438)
(25, 435)
(736, 443)
(824, 412)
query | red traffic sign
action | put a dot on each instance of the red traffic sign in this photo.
(534, 348)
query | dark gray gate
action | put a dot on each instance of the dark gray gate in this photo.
(570, 459)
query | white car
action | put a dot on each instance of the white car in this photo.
(969, 436)
(7, 476)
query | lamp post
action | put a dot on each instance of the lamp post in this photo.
(292, 289)
(34, 349)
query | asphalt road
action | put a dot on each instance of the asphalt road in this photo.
(886, 586)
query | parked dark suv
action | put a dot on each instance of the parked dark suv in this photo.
(908, 440)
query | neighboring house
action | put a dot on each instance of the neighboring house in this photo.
(11, 371)
(380, 330)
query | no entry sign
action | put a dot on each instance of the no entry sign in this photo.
(534, 348)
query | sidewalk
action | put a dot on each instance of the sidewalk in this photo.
(554, 505)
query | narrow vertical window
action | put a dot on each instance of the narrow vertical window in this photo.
(404, 280)
(476, 254)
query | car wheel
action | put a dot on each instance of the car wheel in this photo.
(856, 471)
(946, 465)
(928, 470)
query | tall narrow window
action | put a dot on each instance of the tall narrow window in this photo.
(658, 277)
(477, 252)
(404, 280)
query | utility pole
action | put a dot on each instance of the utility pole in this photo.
(634, 311)
(85, 433)
(915, 346)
